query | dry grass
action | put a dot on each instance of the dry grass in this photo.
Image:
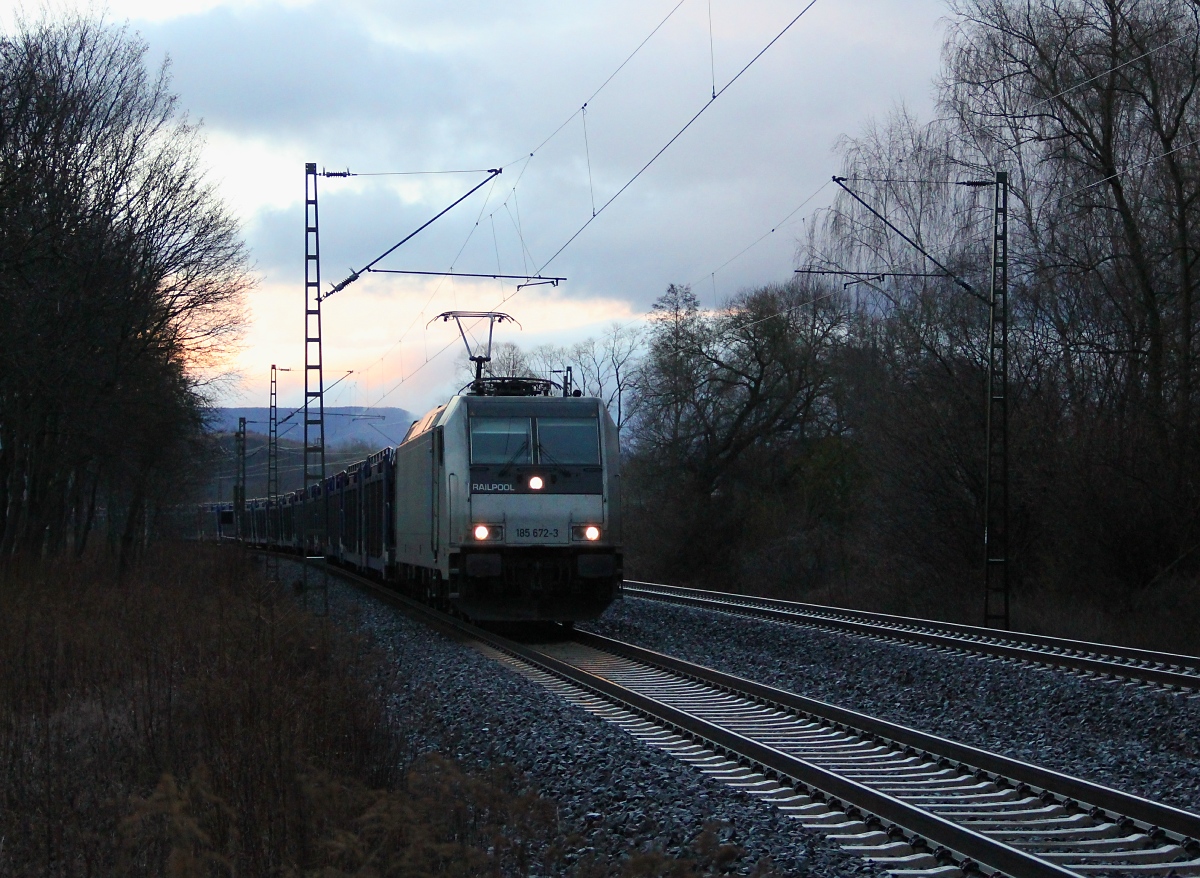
(189, 721)
(169, 722)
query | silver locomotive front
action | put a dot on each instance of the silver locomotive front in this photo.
(524, 507)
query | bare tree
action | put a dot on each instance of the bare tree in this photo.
(508, 361)
(755, 373)
(121, 277)
(1091, 106)
(734, 422)
(1095, 105)
(607, 367)
(603, 367)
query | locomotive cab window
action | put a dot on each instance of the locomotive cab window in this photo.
(568, 441)
(501, 440)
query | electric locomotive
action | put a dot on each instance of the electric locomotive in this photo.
(508, 507)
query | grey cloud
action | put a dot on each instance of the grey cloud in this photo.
(482, 83)
(298, 72)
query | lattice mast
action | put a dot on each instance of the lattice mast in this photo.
(314, 374)
(273, 451)
(995, 534)
(274, 530)
(995, 529)
(239, 483)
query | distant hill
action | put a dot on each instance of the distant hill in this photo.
(375, 427)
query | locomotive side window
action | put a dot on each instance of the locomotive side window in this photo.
(568, 441)
(501, 440)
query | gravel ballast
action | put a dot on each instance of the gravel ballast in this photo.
(619, 795)
(1137, 740)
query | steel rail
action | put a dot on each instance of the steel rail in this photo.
(939, 830)
(1163, 669)
(1155, 820)
(1143, 811)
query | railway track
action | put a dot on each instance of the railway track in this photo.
(912, 802)
(1178, 673)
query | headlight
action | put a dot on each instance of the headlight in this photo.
(536, 483)
(588, 532)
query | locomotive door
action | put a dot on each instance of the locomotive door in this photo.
(437, 456)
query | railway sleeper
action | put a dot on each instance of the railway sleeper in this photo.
(903, 865)
(992, 807)
(761, 787)
(1079, 826)
(833, 821)
(847, 756)
(1046, 814)
(801, 731)
(901, 763)
(940, 785)
(685, 752)
(802, 734)
(874, 769)
(859, 749)
(889, 850)
(938, 798)
(931, 777)
(1165, 854)
(935, 796)
(787, 796)
(714, 763)
(810, 809)
(1114, 843)
(1188, 869)
(784, 723)
(734, 772)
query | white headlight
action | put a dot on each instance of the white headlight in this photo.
(536, 483)
(481, 532)
(592, 532)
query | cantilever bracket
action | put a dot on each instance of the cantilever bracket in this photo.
(541, 282)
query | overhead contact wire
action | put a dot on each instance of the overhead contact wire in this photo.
(766, 235)
(677, 135)
(610, 78)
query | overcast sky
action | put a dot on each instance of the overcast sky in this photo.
(449, 85)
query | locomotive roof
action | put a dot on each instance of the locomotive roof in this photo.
(517, 406)
(509, 407)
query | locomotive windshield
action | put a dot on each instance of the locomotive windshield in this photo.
(560, 441)
(501, 440)
(568, 441)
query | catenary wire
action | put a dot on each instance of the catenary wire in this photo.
(527, 160)
(959, 182)
(637, 175)
(1110, 70)
(610, 78)
(675, 137)
(765, 235)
